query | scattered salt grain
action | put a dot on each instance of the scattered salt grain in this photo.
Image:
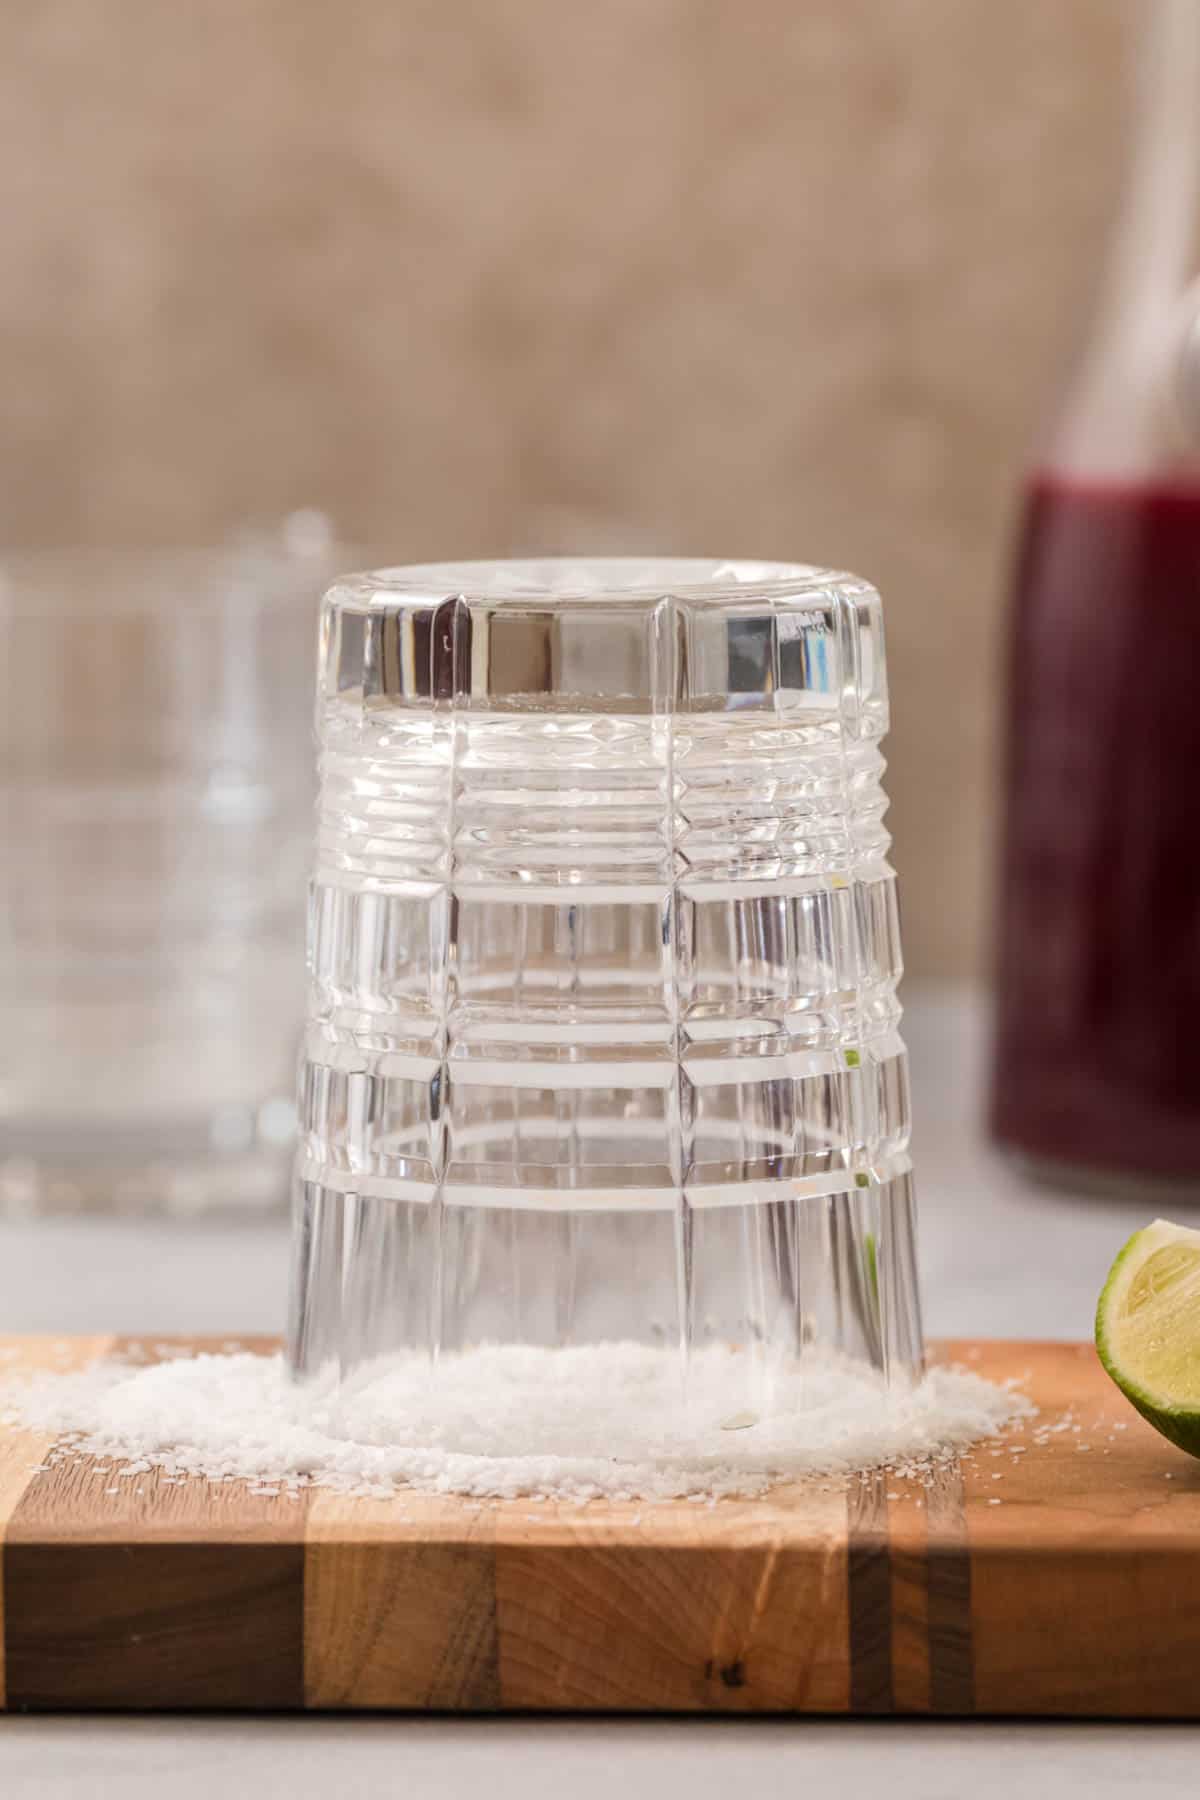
(509, 1421)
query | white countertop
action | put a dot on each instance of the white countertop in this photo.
(999, 1258)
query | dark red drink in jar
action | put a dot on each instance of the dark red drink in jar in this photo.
(1098, 1008)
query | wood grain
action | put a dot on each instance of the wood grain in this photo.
(1085, 1583)
(21, 1452)
(156, 1596)
(675, 1608)
(1056, 1577)
(400, 1605)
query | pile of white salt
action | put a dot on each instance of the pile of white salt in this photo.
(504, 1421)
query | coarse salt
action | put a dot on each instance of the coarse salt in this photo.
(495, 1422)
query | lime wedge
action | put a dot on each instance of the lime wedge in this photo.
(1148, 1329)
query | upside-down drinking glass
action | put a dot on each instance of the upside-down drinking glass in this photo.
(602, 1039)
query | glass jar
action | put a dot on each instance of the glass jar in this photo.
(1096, 1070)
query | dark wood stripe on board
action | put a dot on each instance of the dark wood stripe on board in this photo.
(951, 1655)
(869, 1573)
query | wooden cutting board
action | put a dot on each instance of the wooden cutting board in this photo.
(1078, 1594)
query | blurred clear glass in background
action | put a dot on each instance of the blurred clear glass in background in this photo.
(156, 786)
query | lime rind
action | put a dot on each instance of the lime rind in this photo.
(1176, 1418)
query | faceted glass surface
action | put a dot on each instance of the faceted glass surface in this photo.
(603, 1030)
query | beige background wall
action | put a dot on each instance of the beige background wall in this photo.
(785, 277)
